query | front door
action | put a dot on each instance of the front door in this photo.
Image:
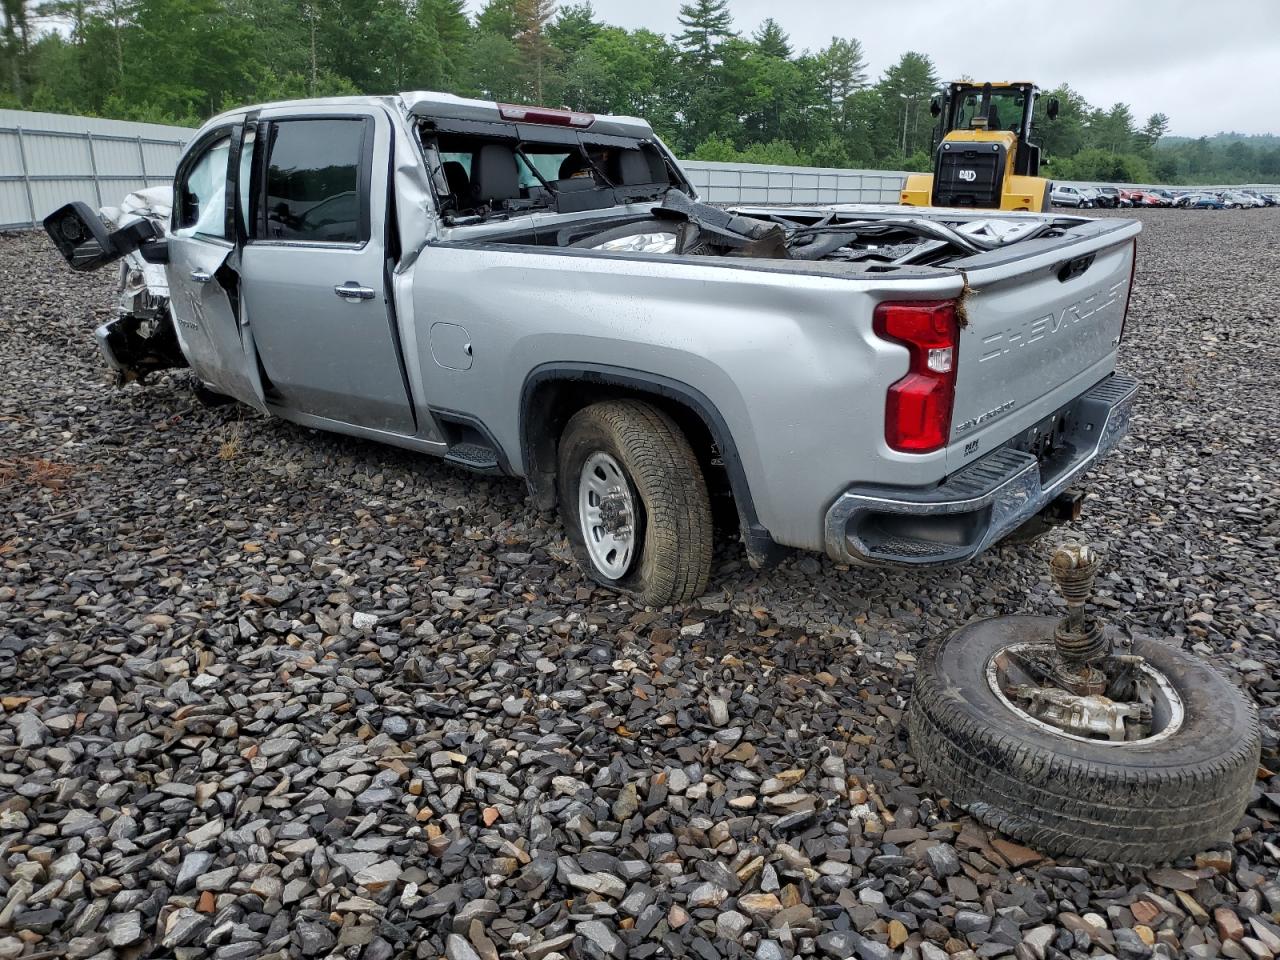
(203, 286)
(314, 268)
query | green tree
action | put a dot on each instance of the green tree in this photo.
(169, 76)
(842, 70)
(574, 27)
(713, 74)
(779, 99)
(705, 89)
(625, 72)
(707, 24)
(495, 68)
(772, 41)
(1156, 126)
(499, 17)
(1064, 134)
(532, 18)
(447, 22)
(1112, 129)
(15, 44)
(905, 91)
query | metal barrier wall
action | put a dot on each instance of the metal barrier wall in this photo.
(754, 183)
(47, 159)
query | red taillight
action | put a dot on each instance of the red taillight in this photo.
(917, 413)
(559, 118)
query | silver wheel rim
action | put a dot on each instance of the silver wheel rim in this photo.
(1169, 710)
(607, 515)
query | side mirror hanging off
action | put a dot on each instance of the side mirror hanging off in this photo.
(84, 241)
(155, 251)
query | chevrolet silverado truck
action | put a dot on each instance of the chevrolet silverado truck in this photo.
(540, 293)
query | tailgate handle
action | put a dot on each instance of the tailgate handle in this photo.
(1073, 268)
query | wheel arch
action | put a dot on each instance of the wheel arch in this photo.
(553, 392)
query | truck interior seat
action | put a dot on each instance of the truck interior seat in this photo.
(629, 167)
(495, 178)
(455, 174)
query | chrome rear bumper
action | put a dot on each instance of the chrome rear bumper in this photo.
(949, 523)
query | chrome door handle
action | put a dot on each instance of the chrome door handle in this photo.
(353, 291)
(199, 276)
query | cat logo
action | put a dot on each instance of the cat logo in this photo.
(968, 176)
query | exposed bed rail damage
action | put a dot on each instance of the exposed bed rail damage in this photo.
(681, 226)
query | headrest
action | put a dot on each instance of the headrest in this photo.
(494, 174)
(630, 167)
(455, 174)
(573, 164)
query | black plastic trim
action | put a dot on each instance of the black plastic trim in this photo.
(390, 257)
(446, 415)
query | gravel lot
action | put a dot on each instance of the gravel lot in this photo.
(272, 692)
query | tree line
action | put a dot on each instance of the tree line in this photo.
(713, 89)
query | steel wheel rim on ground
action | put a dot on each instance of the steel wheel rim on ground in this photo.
(1170, 710)
(607, 515)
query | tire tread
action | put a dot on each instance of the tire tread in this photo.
(1074, 806)
(675, 561)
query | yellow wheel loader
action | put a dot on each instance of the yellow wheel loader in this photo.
(985, 157)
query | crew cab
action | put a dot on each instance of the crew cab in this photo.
(540, 293)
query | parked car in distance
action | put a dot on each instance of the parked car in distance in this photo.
(1107, 196)
(1149, 198)
(1201, 201)
(1235, 200)
(1065, 196)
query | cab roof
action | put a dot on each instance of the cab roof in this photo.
(425, 104)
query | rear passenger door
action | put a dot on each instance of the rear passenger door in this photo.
(315, 268)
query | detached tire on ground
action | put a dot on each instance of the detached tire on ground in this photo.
(1142, 802)
(634, 502)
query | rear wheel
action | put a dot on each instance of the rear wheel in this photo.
(634, 503)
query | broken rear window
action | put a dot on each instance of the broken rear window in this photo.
(522, 167)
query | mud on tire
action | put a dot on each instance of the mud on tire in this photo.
(1135, 803)
(672, 561)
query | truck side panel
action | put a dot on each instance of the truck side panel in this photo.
(788, 360)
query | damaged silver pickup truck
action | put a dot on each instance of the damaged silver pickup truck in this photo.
(540, 293)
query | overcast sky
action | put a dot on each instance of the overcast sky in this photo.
(1210, 66)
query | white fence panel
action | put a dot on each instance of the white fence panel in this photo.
(757, 183)
(48, 159)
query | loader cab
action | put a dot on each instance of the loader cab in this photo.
(984, 155)
(996, 107)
